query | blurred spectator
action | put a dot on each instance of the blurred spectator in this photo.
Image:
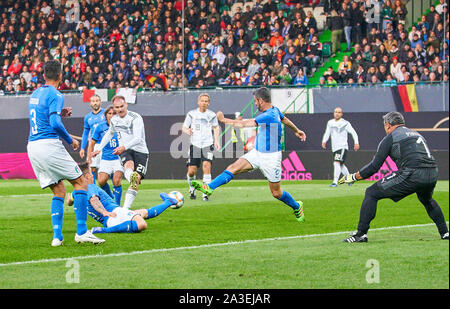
(130, 42)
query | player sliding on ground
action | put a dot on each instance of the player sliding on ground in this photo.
(267, 152)
(115, 219)
(417, 173)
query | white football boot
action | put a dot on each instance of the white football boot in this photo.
(56, 242)
(88, 237)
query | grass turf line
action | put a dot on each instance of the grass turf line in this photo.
(239, 211)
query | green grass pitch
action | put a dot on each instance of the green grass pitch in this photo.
(241, 239)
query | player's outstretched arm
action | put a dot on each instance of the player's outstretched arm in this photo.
(299, 133)
(244, 123)
(105, 140)
(380, 156)
(95, 202)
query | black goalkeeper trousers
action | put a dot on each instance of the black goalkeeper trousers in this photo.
(398, 185)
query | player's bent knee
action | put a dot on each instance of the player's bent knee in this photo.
(142, 225)
(59, 190)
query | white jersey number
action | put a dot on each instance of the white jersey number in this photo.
(34, 129)
(420, 140)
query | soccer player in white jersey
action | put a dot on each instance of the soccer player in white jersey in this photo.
(338, 129)
(199, 124)
(132, 148)
(49, 158)
(266, 155)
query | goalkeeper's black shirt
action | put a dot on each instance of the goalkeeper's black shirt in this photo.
(406, 147)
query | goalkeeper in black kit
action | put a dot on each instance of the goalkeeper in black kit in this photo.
(417, 174)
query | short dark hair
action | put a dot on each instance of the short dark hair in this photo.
(84, 167)
(394, 118)
(52, 70)
(263, 93)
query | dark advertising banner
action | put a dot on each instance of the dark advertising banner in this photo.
(434, 126)
(295, 166)
(162, 132)
(301, 160)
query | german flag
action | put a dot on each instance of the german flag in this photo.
(158, 81)
(405, 98)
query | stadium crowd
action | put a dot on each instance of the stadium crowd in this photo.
(139, 43)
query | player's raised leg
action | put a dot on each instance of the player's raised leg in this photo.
(285, 197)
(240, 166)
(158, 209)
(133, 177)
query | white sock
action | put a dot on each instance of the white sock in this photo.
(207, 180)
(189, 179)
(337, 171)
(344, 170)
(128, 173)
(129, 198)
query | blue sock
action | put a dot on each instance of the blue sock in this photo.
(125, 227)
(107, 189)
(118, 194)
(288, 200)
(57, 209)
(80, 208)
(93, 175)
(222, 179)
(158, 209)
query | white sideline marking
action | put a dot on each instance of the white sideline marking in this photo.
(204, 246)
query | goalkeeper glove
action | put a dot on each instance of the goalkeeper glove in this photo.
(350, 178)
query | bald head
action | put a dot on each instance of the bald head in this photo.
(338, 113)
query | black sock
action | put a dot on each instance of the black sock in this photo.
(367, 214)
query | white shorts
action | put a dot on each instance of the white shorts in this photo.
(96, 160)
(123, 215)
(268, 162)
(110, 166)
(51, 162)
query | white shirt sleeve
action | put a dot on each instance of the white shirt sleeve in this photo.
(326, 136)
(188, 121)
(214, 122)
(106, 138)
(353, 133)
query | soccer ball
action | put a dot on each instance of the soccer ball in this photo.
(179, 197)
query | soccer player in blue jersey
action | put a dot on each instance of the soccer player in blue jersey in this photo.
(91, 121)
(49, 158)
(115, 219)
(267, 152)
(110, 163)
